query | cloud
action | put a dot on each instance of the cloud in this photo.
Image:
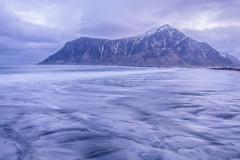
(14, 27)
(24, 42)
(20, 52)
(40, 28)
(200, 15)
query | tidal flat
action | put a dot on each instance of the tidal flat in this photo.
(111, 112)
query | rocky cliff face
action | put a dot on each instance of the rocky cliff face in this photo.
(162, 46)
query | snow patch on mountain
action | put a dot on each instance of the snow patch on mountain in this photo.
(223, 54)
(154, 31)
(233, 59)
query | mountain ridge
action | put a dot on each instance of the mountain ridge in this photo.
(160, 46)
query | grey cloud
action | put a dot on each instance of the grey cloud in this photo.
(14, 27)
(177, 12)
(17, 52)
(108, 30)
(23, 42)
(112, 19)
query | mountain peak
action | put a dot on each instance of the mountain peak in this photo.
(165, 26)
(155, 30)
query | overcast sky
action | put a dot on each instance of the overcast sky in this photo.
(31, 30)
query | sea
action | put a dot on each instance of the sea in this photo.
(78, 112)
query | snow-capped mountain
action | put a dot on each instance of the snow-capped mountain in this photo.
(234, 60)
(160, 46)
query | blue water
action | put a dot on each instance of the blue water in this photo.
(118, 113)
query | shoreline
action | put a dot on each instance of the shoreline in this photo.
(226, 68)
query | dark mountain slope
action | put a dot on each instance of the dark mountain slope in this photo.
(163, 46)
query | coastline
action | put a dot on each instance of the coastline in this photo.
(236, 68)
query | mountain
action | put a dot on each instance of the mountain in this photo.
(234, 60)
(161, 46)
